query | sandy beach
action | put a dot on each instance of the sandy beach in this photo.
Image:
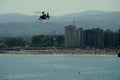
(82, 52)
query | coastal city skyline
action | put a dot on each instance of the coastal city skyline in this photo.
(91, 38)
(57, 7)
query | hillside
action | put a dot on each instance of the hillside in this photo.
(16, 24)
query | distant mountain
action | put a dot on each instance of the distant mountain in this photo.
(29, 29)
(16, 24)
(16, 17)
(92, 18)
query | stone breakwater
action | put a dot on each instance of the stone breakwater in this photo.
(83, 52)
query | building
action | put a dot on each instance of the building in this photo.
(80, 38)
(87, 38)
(91, 38)
(71, 36)
(97, 38)
(111, 39)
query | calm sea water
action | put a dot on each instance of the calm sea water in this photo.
(59, 67)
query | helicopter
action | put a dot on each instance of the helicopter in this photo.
(44, 16)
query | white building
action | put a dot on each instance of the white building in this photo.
(71, 36)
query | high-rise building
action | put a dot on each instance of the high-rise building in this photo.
(97, 38)
(91, 38)
(80, 37)
(94, 38)
(111, 39)
(87, 38)
(71, 36)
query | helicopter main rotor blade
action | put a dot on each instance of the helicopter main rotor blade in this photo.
(37, 12)
(40, 11)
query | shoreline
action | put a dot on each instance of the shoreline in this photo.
(63, 52)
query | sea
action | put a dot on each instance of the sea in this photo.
(59, 67)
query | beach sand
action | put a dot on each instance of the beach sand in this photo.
(82, 52)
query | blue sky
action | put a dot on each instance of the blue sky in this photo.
(57, 7)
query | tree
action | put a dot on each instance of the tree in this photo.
(42, 41)
(14, 42)
(60, 40)
(48, 40)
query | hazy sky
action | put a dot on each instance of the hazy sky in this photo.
(57, 7)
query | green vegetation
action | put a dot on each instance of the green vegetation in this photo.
(9, 42)
(35, 41)
(47, 41)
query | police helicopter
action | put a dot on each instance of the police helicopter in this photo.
(44, 16)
